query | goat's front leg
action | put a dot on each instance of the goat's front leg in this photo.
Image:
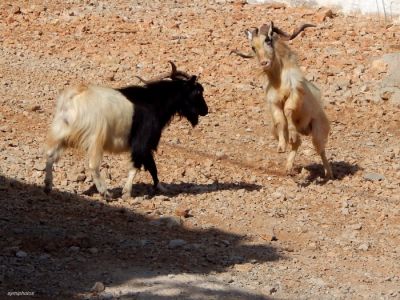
(95, 157)
(280, 125)
(150, 165)
(292, 104)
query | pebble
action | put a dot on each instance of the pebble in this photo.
(93, 250)
(21, 254)
(356, 226)
(98, 287)
(176, 243)
(374, 177)
(74, 249)
(44, 256)
(106, 296)
(364, 247)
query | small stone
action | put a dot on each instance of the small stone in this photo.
(16, 10)
(171, 221)
(98, 287)
(176, 243)
(93, 250)
(278, 196)
(182, 212)
(374, 177)
(107, 296)
(325, 14)
(276, 5)
(35, 107)
(39, 166)
(144, 243)
(345, 211)
(364, 247)
(272, 290)
(220, 155)
(44, 256)
(21, 254)
(379, 66)
(81, 178)
(74, 249)
(356, 226)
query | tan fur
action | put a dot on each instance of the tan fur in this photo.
(94, 119)
(294, 102)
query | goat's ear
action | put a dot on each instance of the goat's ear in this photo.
(193, 79)
(271, 30)
(249, 34)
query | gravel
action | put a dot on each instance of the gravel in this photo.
(234, 225)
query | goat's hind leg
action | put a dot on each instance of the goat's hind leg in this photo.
(53, 153)
(95, 157)
(292, 154)
(320, 134)
(127, 190)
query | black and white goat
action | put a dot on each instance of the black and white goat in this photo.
(98, 119)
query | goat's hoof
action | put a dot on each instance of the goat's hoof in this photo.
(281, 149)
(293, 137)
(125, 196)
(160, 187)
(290, 171)
(47, 189)
(329, 176)
(107, 196)
(126, 192)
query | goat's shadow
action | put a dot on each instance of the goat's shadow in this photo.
(174, 189)
(83, 240)
(340, 170)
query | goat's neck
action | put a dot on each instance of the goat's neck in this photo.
(274, 73)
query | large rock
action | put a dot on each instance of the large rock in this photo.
(392, 82)
(389, 89)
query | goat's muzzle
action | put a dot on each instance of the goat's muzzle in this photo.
(265, 64)
(204, 111)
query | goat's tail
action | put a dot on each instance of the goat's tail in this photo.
(64, 129)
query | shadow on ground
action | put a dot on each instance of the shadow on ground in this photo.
(340, 169)
(174, 189)
(72, 241)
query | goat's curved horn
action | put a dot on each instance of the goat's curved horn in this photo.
(175, 73)
(295, 33)
(244, 55)
(300, 29)
(142, 80)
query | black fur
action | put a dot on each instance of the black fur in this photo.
(155, 104)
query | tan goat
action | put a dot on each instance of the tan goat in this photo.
(294, 102)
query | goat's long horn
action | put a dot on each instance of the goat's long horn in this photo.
(244, 55)
(300, 29)
(142, 80)
(175, 73)
(295, 33)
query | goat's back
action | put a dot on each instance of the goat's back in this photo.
(93, 114)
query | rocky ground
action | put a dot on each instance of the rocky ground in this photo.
(234, 225)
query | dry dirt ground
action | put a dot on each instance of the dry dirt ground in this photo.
(251, 232)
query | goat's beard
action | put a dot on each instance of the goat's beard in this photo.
(193, 119)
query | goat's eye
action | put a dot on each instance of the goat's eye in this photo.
(268, 42)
